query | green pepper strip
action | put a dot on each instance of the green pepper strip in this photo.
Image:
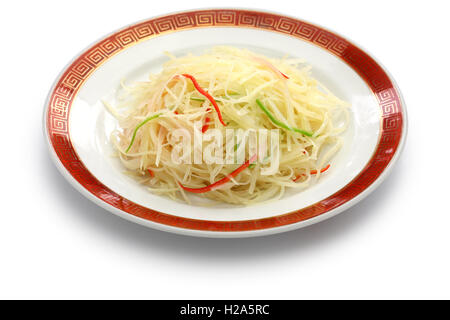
(137, 128)
(223, 97)
(198, 99)
(279, 123)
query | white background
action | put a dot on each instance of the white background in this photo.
(54, 243)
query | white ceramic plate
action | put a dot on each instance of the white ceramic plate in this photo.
(78, 127)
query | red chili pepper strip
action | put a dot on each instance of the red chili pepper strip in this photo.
(206, 125)
(321, 171)
(207, 96)
(221, 181)
(151, 172)
(312, 172)
(270, 66)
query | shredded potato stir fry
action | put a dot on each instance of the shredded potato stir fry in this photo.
(251, 92)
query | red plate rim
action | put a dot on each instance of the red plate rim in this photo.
(58, 105)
